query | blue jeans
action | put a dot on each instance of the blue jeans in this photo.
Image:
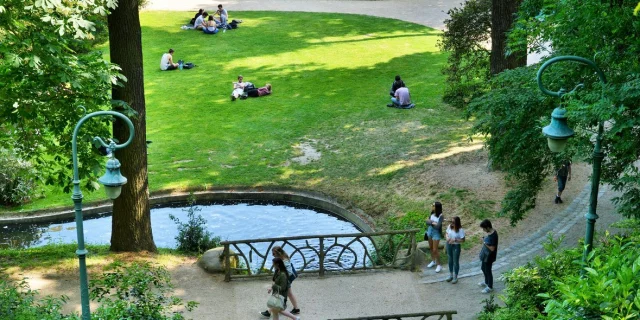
(453, 252)
(395, 101)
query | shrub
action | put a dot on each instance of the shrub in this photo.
(17, 179)
(193, 236)
(17, 301)
(609, 288)
(138, 291)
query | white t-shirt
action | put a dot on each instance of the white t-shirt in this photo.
(164, 62)
(199, 22)
(223, 13)
(451, 234)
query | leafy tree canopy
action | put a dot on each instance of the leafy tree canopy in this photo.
(48, 69)
(513, 112)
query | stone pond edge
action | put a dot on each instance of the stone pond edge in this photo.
(313, 199)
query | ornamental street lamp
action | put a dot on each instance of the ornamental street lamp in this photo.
(113, 182)
(557, 132)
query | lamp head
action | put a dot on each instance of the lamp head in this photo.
(557, 132)
(112, 179)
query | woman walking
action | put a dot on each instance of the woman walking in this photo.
(488, 254)
(434, 233)
(280, 285)
(455, 236)
(278, 252)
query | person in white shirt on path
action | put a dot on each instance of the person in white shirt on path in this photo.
(455, 237)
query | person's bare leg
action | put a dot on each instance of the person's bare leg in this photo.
(436, 252)
(287, 314)
(292, 298)
(274, 314)
(431, 250)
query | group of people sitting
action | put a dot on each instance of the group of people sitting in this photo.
(210, 25)
(242, 90)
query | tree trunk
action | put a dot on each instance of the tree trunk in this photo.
(502, 17)
(131, 222)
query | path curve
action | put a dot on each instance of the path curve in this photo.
(430, 13)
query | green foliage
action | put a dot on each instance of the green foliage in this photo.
(18, 302)
(490, 306)
(48, 69)
(137, 291)
(609, 289)
(512, 113)
(17, 179)
(465, 39)
(193, 236)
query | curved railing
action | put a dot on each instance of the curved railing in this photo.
(417, 316)
(323, 253)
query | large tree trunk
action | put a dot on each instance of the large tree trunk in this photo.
(502, 17)
(131, 223)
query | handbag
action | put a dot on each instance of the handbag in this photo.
(276, 301)
(484, 254)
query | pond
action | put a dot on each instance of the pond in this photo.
(229, 221)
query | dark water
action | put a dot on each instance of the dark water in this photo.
(228, 221)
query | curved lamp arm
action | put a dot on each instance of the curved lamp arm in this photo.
(112, 146)
(562, 92)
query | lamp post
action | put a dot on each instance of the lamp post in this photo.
(113, 182)
(557, 132)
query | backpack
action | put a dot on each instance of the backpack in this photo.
(249, 86)
(188, 65)
(293, 274)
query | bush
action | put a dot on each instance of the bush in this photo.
(609, 288)
(139, 291)
(193, 236)
(17, 179)
(17, 301)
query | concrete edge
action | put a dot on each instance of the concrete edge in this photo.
(354, 215)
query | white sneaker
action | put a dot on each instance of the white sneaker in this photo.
(482, 285)
(487, 290)
(297, 318)
(438, 268)
(433, 263)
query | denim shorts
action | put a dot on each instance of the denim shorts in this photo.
(433, 233)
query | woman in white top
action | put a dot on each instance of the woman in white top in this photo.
(238, 89)
(455, 236)
(434, 232)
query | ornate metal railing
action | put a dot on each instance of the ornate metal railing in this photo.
(417, 316)
(323, 253)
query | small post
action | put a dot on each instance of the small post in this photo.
(413, 250)
(321, 257)
(227, 267)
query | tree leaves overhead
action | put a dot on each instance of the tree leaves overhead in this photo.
(512, 113)
(48, 69)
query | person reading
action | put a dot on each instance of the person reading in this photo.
(166, 62)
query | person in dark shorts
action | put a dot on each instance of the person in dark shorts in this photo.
(563, 174)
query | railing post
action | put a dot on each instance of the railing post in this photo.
(321, 266)
(227, 267)
(414, 247)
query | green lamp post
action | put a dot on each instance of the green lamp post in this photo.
(113, 182)
(557, 133)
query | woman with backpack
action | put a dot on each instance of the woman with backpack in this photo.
(278, 252)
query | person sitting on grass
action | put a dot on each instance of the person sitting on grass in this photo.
(199, 24)
(166, 63)
(238, 89)
(222, 13)
(193, 20)
(210, 26)
(396, 84)
(402, 99)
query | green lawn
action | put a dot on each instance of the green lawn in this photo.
(331, 74)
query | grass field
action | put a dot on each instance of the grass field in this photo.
(331, 74)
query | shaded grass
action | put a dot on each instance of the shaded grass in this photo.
(331, 74)
(62, 257)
